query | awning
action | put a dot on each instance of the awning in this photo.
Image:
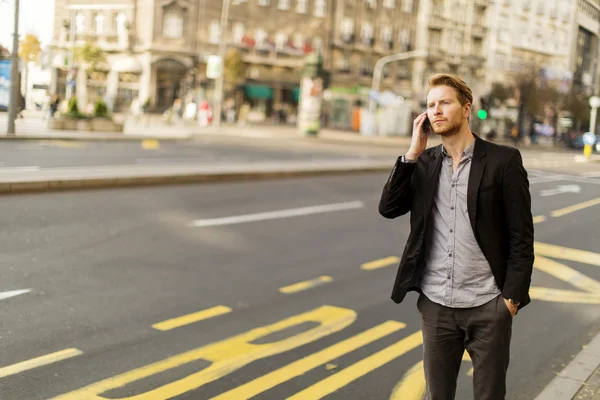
(258, 92)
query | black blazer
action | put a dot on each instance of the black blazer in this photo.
(499, 206)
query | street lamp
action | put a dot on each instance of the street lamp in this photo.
(218, 97)
(14, 70)
(377, 80)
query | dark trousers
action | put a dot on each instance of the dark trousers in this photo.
(483, 331)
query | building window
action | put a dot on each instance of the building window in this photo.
(79, 23)
(371, 3)
(541, 7)
(320, 8)
(238, 32)
(407, 6)
(367, 34)
(365, 67)
(500, 61)
(389, 4)
(214, 34)
(99, 23)
(347, 29)
(435, 38)
(503, 29)
(264, 3)
(120, 23)
(386, 36)
(261, 38)
(404, 39)
(284, 4)
(302, 6)
(299, 41)
(173, 25)
(343, 63)
(280, 41)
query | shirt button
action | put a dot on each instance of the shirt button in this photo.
(451, 230)
(450, 255)
(452, 207)
(452, 185)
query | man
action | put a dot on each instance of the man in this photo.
(470, 250)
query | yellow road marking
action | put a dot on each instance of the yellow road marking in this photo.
(538, 219)
(384, 262)
(38, 362)
(191, 318)
(150, 144)
(298, 287)
(413, 386)
(575, 207)
(363, 367)
(225, 356)
(65, 144)
(310, 362)
(590, 288)
(564, 253)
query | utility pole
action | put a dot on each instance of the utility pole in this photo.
(14, 70)
(222, 47)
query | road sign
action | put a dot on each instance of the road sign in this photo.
(214, 67)
(589, 139)
(561, 189)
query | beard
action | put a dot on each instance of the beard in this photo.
(448, 129)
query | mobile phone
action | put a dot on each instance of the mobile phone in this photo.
(426, 125)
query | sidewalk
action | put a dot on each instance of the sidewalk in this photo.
(580, 379)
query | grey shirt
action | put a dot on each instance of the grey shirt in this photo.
(455, 272)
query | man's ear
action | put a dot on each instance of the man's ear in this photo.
(467, 110)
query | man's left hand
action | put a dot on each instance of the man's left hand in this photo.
(511, 308)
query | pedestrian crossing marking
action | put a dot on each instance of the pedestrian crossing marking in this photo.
(225, 356)
(38, 362)
(191, 318)
(310, 362)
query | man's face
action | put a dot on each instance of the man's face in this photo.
(445, 112)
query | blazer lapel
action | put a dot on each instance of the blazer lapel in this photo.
(478, 164)
(433, 178)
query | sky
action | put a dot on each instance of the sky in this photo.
(35, 16)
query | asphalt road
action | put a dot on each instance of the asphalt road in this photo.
(201, 150)
(105, 266)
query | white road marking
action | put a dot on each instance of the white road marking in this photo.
(19, 169)
(13, 293)
(39, 362)
(561, 189)
(595, 174)
(293, 212)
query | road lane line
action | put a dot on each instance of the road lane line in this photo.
(293, 212)
(575, 207)
(383, 262)
(361, 368)
(298, 287)
(39, 362)
(224, 357)
(565, 253)
(310, 362)
(595, 174)
(538, 219)
(191, 318)
(13, 293)
(150, 144)
(20, 169)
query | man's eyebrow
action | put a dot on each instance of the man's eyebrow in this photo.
(442, 99)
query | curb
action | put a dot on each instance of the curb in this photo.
(126, 138)
(33, 184)
(570, 380)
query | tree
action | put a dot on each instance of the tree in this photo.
(30, 49)
(90, 55)
(234, 70)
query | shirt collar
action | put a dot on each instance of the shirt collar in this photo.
(467, 153)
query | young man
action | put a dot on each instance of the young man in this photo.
(470, 250)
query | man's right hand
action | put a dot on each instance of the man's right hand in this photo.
(419, 138)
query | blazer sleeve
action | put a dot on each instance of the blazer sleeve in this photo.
(519, 223)
(396, 199)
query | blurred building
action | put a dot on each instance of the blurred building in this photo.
(456, 35)
(585, 46)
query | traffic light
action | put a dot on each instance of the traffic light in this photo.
(482, 113)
